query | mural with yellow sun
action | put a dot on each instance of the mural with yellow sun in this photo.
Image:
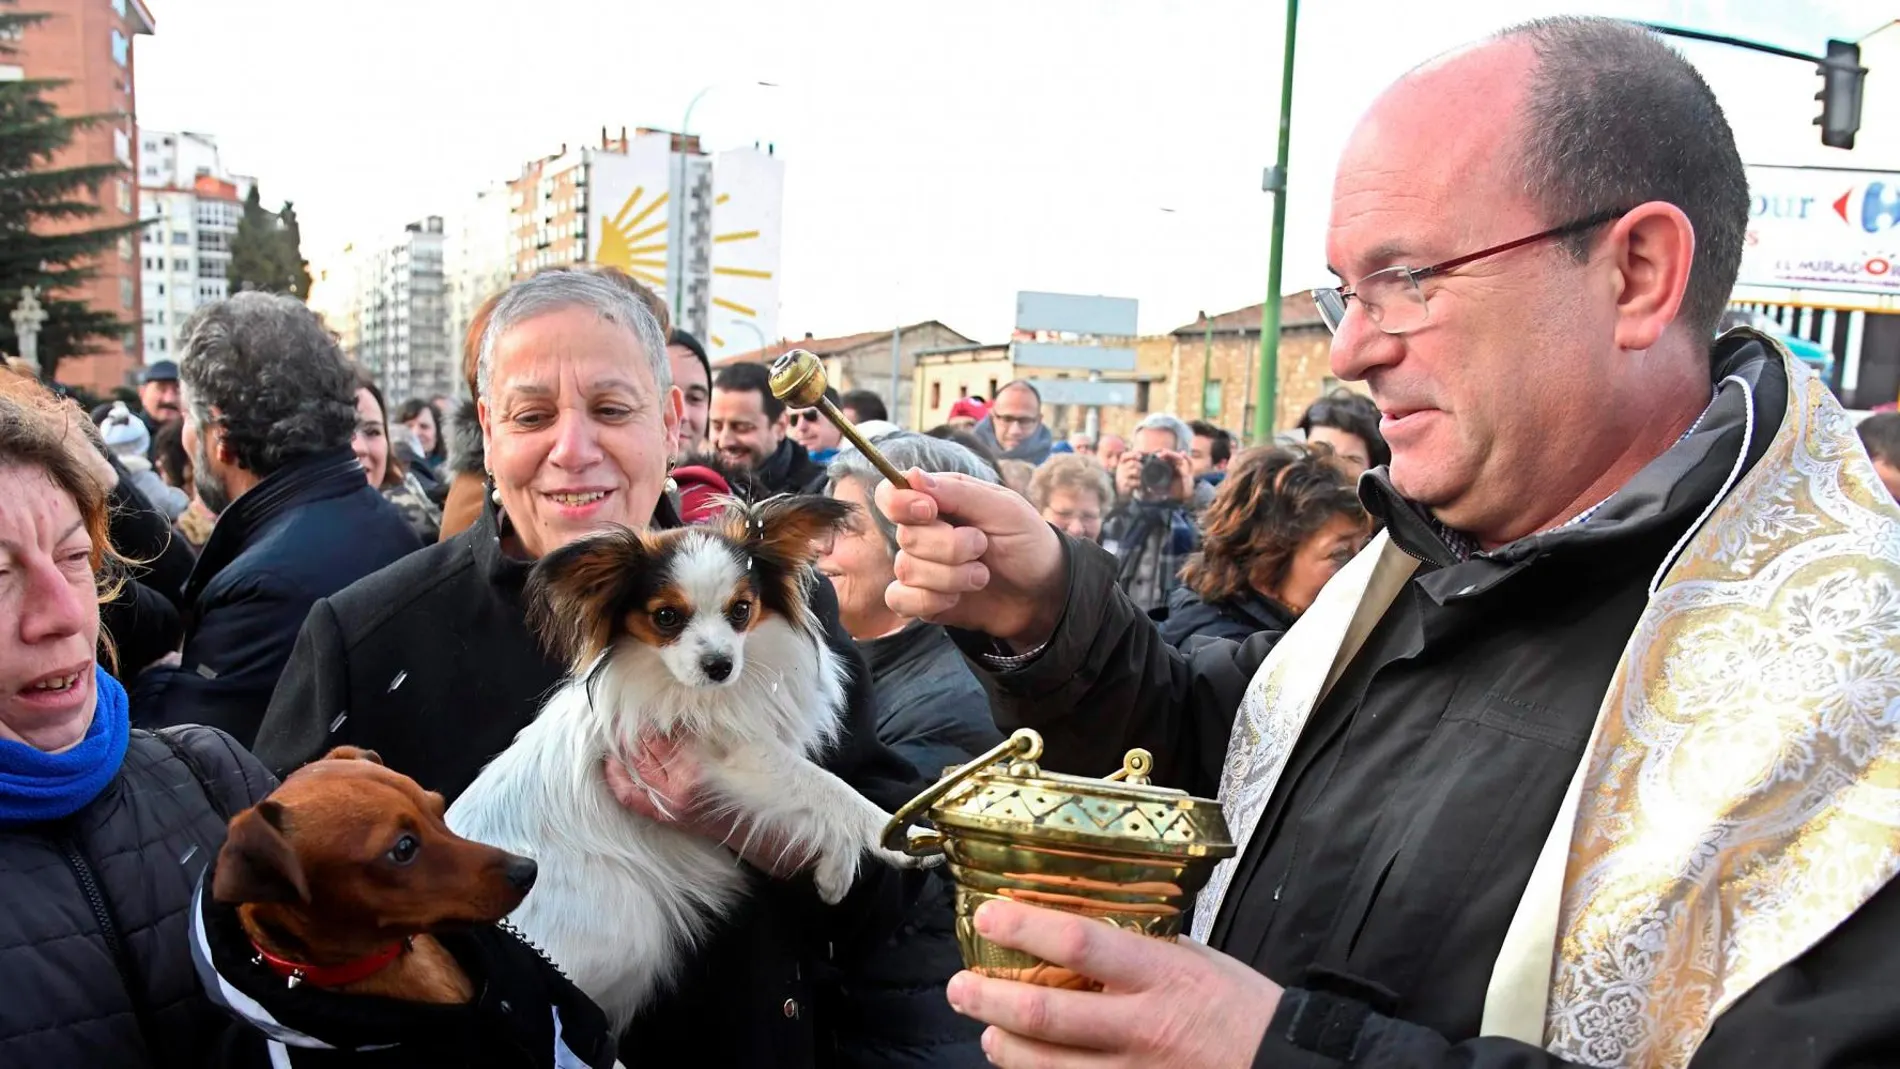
(630, 216)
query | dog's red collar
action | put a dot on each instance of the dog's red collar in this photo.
(331, 975)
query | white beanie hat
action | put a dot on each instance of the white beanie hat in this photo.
(125, 432)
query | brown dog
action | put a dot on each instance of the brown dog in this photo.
(343, 872)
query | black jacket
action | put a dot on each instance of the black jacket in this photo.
(1385, 870)
(525, 1015)
(431, 664)
(1188, 617)
(144, 619)
(105, 978)
(790, 470)
(930, 708)
(891, 1008)
(306, 531)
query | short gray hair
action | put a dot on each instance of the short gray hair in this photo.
(1163, 421)
(1614, 117)
(905, 450)
(555, 290)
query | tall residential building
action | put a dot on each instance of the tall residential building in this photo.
(701, 229)
(401, 311)
(191, 207)
(477, 258)
(87, 45)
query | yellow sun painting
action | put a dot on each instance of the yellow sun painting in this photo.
(621, 238)
(638, 247)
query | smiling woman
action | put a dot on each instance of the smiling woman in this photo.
(78, 785)
(432, 664)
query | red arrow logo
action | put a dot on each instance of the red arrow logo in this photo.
(1840, 206)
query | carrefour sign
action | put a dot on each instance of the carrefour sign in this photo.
(1810, 228)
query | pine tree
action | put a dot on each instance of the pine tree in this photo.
(291, 243)
(266, 251)
(43, 240)
(254, 248)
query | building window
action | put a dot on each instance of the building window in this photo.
(1211, 399)
(936, 394)
(125, 293)
(161, 289)
(118, 7)
(1141, 396)
(123, 190)
(181, 265)
(121, 47)
(179, 237)
(125, 247)
(992, 395)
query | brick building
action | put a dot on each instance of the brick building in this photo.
(88, 45)
(1215, 362)
(863, 361)
(944, 376)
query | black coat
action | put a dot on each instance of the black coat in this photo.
(892, 1013)
(525, 1014)
(306, 531)
(789, 470)
(431, 664)
(66, 999)
(1188, 617)
(144, 619)
(1381, 877)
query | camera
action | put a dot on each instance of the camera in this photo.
(1157, 475)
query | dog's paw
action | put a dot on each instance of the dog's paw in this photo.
(834, 875)
(898, 859)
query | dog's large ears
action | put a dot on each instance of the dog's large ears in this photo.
(257, 863)
(572, 592)
(790, 530)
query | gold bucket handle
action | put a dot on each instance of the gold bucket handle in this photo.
(1024, 745)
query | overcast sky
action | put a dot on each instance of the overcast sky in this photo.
(939, 157)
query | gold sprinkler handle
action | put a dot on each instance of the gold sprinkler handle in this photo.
(1024, 745)
(798, 379)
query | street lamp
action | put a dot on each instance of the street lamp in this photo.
(686, 128)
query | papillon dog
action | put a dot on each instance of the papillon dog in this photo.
(704, 636)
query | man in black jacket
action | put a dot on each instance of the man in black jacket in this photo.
(270, 406)
(1571, 467)
(747, 425)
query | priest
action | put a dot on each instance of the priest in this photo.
(1591, 757)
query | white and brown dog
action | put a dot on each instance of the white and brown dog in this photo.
(703, 636)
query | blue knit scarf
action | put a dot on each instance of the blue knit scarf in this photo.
(37, 786)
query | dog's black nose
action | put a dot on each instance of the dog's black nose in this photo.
(520, 871)
(717, 667)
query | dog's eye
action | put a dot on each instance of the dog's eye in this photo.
(739, 613)
(668, 619)
(405, 850)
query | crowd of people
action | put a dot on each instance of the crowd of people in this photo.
(263, 559)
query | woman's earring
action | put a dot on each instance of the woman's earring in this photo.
(494, 491)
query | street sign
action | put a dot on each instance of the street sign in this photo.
(1034, 354)
(1085, 392)
(1070, 313)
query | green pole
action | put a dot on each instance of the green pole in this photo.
(1207, 364)
(1276, 184)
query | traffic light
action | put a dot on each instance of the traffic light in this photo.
(1842, 77)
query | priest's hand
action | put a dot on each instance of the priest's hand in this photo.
(1165, 1005)
(663, 782)
(974, 555)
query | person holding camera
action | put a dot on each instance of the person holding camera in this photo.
(1151, 529)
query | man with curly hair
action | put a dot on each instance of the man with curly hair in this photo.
(269, 409)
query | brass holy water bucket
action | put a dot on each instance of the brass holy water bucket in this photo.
(1118, 849)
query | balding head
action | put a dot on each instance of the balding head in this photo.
(1528, 379)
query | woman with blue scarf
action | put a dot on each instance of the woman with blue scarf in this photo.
(103, 830)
